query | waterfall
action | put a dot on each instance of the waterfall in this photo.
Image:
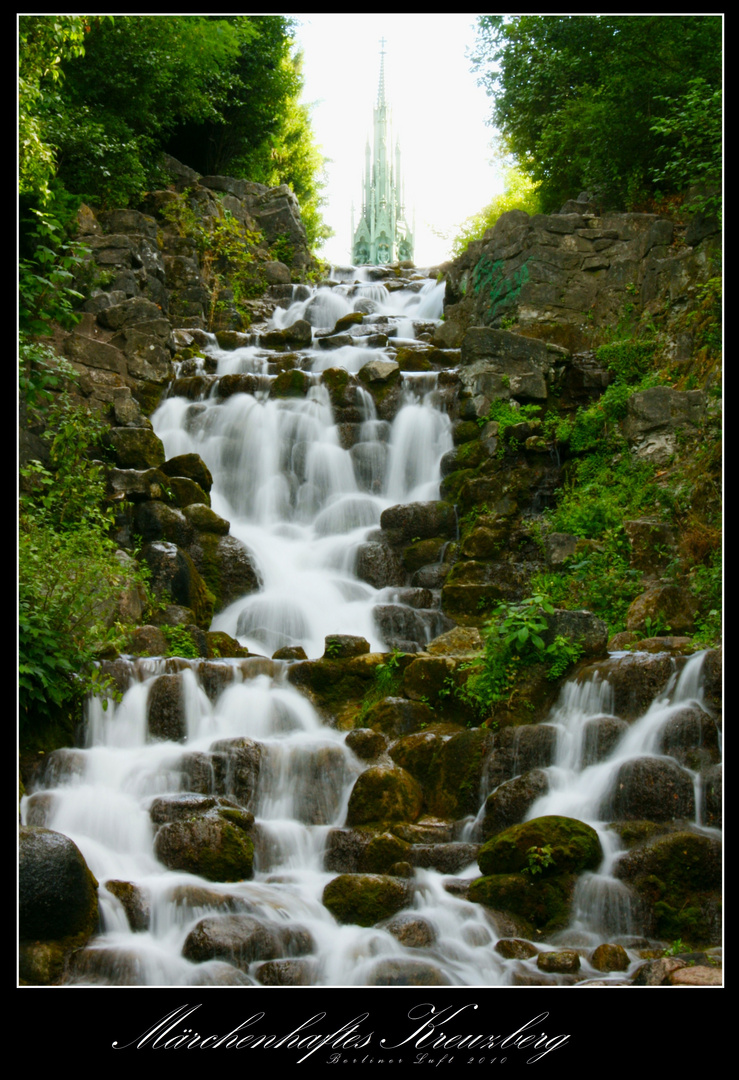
(302, 499)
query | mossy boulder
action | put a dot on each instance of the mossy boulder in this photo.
(211, 846)
(448, 763)
(384, 794)
(600, 735)
(635, 681)
(135, 901)
(176, 579)
(186, 492)
(679, 878)
(289, 384)
(610, 958)
(561, 961)
(691, 737)
(455, 791)
(365, 899)
(419, 751)
(382, 852)
(242, 939)
(398, 716)
(544, 904)
(135, 448)
(424, 553)
(366, 743)
(412, 931)
(423, 520)
(344, 646)
(406, 972)
(225, 564)
(337, 687)
(191, 466)
(572, 846)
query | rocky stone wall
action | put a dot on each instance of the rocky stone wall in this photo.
(563, 277)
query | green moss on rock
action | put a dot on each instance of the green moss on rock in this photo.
(573, 846)
(384, 794)
(545, 904)
(365, 899)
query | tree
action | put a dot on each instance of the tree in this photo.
(139, 78)
(44, 43)
(576, 98)
(520, 194)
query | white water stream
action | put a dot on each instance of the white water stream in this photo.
(302, 504)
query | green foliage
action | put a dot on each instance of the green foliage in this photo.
(519, 194)
(41, 372)
(47, 290)
(101, 98)
(629, 359)
(508, 414)
(70, 575)
(140, 78)
(226, 250)
(691, 154)
(593, 101)
(386, 683)
(282, 249)
(180, 642)
(44, 42)
(538, 859)
(513, 640)
(262, 132)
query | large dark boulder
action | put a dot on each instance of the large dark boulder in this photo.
(509, 803)
(226, 565)
(57, 895)
(678, 877)
(241, 939)
(518, 749)
(650, 789)
(419, 520)
(176, 579)
(165, 709)
(135, 448)
(634, 681)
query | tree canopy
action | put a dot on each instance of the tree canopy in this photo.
(101, 98)
(603, 102)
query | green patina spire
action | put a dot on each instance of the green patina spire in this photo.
(383, 234)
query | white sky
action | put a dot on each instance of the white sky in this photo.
(438, 113)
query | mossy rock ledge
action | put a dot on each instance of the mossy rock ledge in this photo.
(574, 847)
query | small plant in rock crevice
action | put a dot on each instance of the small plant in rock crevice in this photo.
(387, 679)
(512, 641)
(538, 859)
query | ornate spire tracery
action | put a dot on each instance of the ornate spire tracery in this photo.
(382, 235)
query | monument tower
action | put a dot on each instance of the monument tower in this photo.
(383, 234)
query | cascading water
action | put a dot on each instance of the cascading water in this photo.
(302, 501)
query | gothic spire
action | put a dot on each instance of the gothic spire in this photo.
(381, 88)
